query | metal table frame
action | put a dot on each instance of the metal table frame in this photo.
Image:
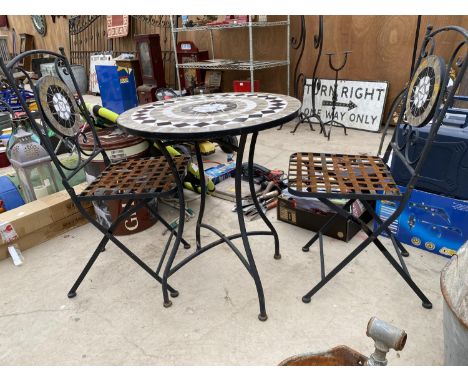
(165, 139)
(249, 262)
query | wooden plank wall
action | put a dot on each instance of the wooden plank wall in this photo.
(56, 36)
(382, 46)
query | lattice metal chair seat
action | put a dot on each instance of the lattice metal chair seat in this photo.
(135, 178)
(341, 176)
(366, 177)
(136, 182)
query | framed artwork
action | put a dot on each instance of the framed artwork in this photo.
(117, 26)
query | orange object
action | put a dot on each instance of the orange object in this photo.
(272, 204)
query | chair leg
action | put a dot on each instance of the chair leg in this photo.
(84, 272)
(322, 258)
(127, 211)
(404, 252)
(101, 246)
(166, 248)
(307, 297)
(166, 224)
(399, 254)
(401, 269)
(399, 248)
(372, 237)
(425, 301)
(306, 247)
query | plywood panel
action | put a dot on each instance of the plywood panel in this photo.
(382, 46)
(56, 36)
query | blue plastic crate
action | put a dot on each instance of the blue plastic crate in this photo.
(9, 194)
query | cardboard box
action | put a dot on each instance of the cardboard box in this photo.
(220, 172)
(313, 218)
(40, 220)
(45, 233)
(432, 222)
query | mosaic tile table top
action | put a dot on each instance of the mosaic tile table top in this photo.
(210, 115)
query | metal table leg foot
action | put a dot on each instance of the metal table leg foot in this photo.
(238, 184)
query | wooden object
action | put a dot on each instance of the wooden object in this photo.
(150, 58)
(43, 219)
(26, 43)
(188, 52)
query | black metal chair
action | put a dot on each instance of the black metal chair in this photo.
(134, 182)
(367, 178)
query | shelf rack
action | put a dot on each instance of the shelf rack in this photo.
(225, 64)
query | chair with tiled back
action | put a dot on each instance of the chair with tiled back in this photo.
(135, 183)
(367, 178)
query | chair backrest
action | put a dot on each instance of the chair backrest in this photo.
(59, 111)
(425, 101)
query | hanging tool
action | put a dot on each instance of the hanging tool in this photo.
(268, 206)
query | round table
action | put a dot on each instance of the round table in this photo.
(208, 117)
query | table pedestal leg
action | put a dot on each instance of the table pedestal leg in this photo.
(180, 228)
(201, 172)
(253, 141)
(240, 215)
(249, 263)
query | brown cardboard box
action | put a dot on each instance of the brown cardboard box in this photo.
(42, 219)
(45, 233)
(39, 213)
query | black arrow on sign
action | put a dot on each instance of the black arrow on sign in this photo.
(350, 105)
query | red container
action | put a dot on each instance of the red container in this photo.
(244, 86)
(4, 162)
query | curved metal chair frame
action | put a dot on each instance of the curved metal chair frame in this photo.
(375, 181)
(99, 190)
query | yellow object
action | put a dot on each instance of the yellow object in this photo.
(33, 106)
(192, 180)
(207, 148)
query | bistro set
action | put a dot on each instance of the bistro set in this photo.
(191, 119)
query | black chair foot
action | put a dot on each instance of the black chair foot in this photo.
(167, 304)
(305, 249)
(187, 246)
(305, 300)
(71, 294)
(262, 317)
(175, 294)
(277, 256)
(427, 305)
(405, 253)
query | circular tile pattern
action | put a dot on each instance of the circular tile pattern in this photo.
(59, 106)
(424, 91)
(208, 115)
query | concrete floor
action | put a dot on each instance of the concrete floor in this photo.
(118, 318)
